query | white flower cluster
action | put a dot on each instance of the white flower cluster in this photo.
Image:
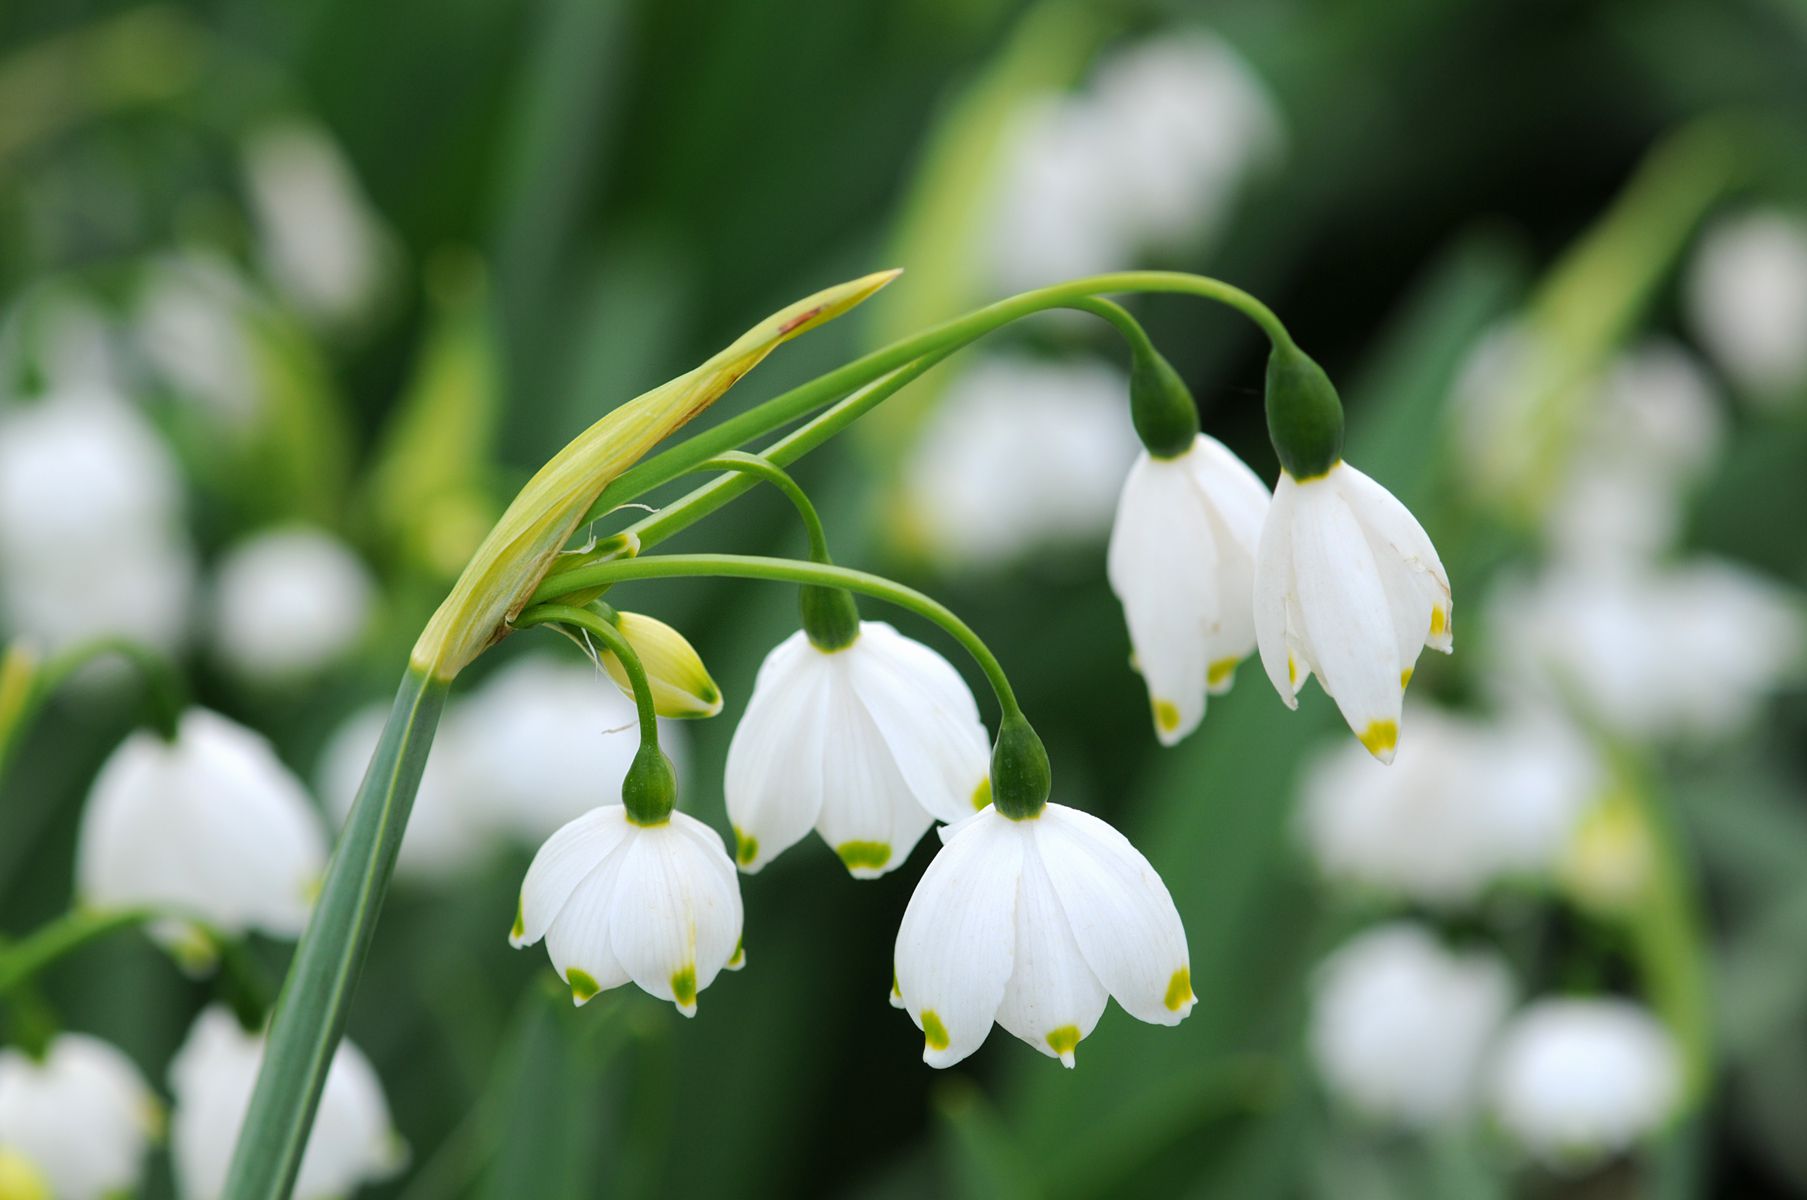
(1333, 577)
(1411, 1033)
(1747, 295)
(80, 1116)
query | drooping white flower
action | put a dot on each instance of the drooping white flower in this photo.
(1575, 1080)
(868, 745)
(1653, 652)
(1747, 296)
(1465, 805)
(1348, 587)
(289, 601)
(657, 905)
(447, 827)
(1400, 1026)
(543, 738)
(353, 1141)
(82, 1116)
(1020, 455)
(1150, 155)
(1033, 924)
(1182, 561)
(319, 240)
(90, 510)
(210, 824)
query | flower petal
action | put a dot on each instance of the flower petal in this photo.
(1348, 623)
(869, 816)
(567, 857)
(1122, 916)
(671, 921)
(956, 945)
(1053, 999)
(715, 903)
(773, 780)
(580, 939)
(1386, 521)
(1163, 566)
(1273, 594)
(927, 717)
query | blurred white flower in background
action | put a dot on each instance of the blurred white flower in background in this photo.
(1654, 652)
(353, 1141)
(1747, 297)
(869, 745)
(1467, 804)
(616, 901)
(1400, 1026)
(287, 602)
(1034, 924)
(540, 742)
(82, 1115)
(1182, 562)
(192, 322)
(1021, 454)
(211, 825)
(56, 337)
(1651, 430)
(90, 524)
(1150, 155)
(1575, 1080)
(319, 239)
(447, 832)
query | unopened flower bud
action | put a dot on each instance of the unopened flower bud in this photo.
(681, 684)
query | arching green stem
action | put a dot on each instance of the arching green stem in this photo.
(766, 471)
(599, 628)
(785, 570)
(26, 683)
(23, 960)
(949, 335)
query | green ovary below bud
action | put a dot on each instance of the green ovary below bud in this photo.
(1020, 774)
(1161, 405)
(1304, 415)
(680, 683)
(831, 619)
(650, 790)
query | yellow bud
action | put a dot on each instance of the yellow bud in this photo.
(681, 684)
(1610, 859)
(19, 1179)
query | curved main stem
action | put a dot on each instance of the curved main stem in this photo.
(786, 570)
(598, 626)
(948, 336)
(23, 960)
(766, 471)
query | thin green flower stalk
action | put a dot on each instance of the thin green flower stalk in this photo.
(28, 680)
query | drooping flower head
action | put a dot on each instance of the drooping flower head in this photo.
(210, 824)
(868, 744)
(81, 1114)
(1182, 561)
(288, 602)
(353, 1141)
(634, 892)
(1032, 924)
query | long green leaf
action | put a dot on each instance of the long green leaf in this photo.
(316, 997)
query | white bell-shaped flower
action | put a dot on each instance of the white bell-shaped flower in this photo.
(288, 602)
(353, 1141)
(1576, 1080)
(618, 902)
(210, 824)
(1466, 804)
(1033, 924)
(1400, 1026)
(1182, 561)
(82, 1116)
(868, 744)
(1348, 587)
